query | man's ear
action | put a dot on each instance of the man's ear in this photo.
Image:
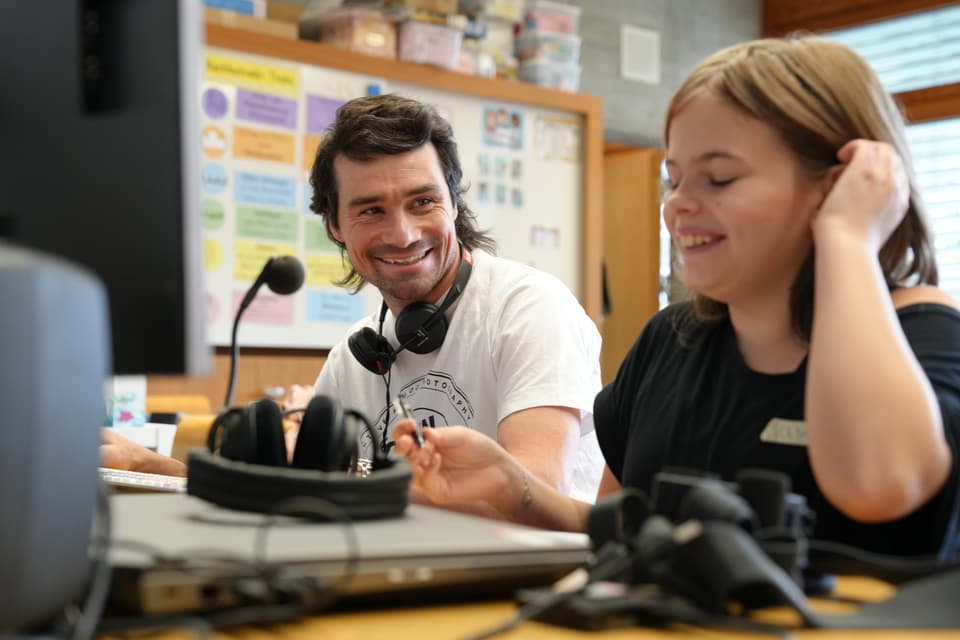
(453, 204)
(334, 232)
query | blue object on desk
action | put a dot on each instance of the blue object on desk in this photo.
(238, 6)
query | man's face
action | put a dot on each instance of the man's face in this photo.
(396, 219)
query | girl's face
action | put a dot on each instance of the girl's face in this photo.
(739, 204)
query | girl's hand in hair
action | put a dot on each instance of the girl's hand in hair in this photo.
(868, 196)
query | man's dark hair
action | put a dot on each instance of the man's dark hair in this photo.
(387, 125)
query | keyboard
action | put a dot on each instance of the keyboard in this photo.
(139, 481)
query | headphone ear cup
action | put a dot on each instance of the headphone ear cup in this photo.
(421, 318)
(325, 441)
(237, 441)
(267, 424)
(371, 350)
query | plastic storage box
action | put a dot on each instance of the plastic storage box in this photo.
(363, 30)
(437, 6)
(558, 75)
(429, 44)
(542, 15)
(549, 46)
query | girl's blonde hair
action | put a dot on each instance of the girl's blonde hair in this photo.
(818, 95)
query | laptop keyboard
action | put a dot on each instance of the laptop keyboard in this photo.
(137, 480)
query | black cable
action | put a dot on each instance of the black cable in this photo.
(843, 559)
(304, 587)
(654, 542)
(279, 594)
(380, 457)
(316, 507)
(234, 357)
(525, 613)
(154, 625)
(611, 559)
(384, 445)
(89, 614)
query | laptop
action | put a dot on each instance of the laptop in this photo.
(173, 553)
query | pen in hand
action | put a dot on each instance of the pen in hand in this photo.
(404, 412)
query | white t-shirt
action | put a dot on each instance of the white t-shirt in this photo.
(517, 338)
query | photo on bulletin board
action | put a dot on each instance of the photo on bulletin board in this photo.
(519, 180)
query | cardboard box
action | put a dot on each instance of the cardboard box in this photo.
(283, 12)
(437, 6)
(366, 31)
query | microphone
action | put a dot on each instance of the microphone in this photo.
(283, 275)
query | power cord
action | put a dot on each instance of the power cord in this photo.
(317, 508)
(85, 622)
(268, 593)
(612, 559)
(645, 561)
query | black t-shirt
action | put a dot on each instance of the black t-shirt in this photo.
(687, 399)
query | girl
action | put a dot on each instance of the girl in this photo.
(816, 342)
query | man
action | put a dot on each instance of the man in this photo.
(512, 354)
(519, 359)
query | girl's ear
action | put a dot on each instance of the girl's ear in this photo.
(826, 182)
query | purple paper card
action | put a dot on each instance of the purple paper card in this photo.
(321, 112)
(267, 109)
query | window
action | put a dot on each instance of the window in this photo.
(913, 52)
(936, 152)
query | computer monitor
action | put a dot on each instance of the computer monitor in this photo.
(99, 163)
(99, 203)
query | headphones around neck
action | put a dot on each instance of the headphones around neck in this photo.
(421, 327)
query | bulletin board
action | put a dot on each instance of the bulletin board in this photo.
(262, 119)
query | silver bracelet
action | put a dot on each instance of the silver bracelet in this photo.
(527, 497)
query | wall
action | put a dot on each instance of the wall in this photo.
(689, 31)
(632, 113)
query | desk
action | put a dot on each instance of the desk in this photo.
(457, 621)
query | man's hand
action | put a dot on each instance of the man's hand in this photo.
(117, 452)
(457, 465)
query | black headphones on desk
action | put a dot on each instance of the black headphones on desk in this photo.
(421, 327)
(251, 471)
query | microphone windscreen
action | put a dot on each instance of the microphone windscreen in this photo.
(285, 275)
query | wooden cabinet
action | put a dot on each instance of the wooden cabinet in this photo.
(631, 238)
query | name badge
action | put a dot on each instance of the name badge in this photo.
(783, 431)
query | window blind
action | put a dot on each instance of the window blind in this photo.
(910, 52)
(936, 155)
(916, 52)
